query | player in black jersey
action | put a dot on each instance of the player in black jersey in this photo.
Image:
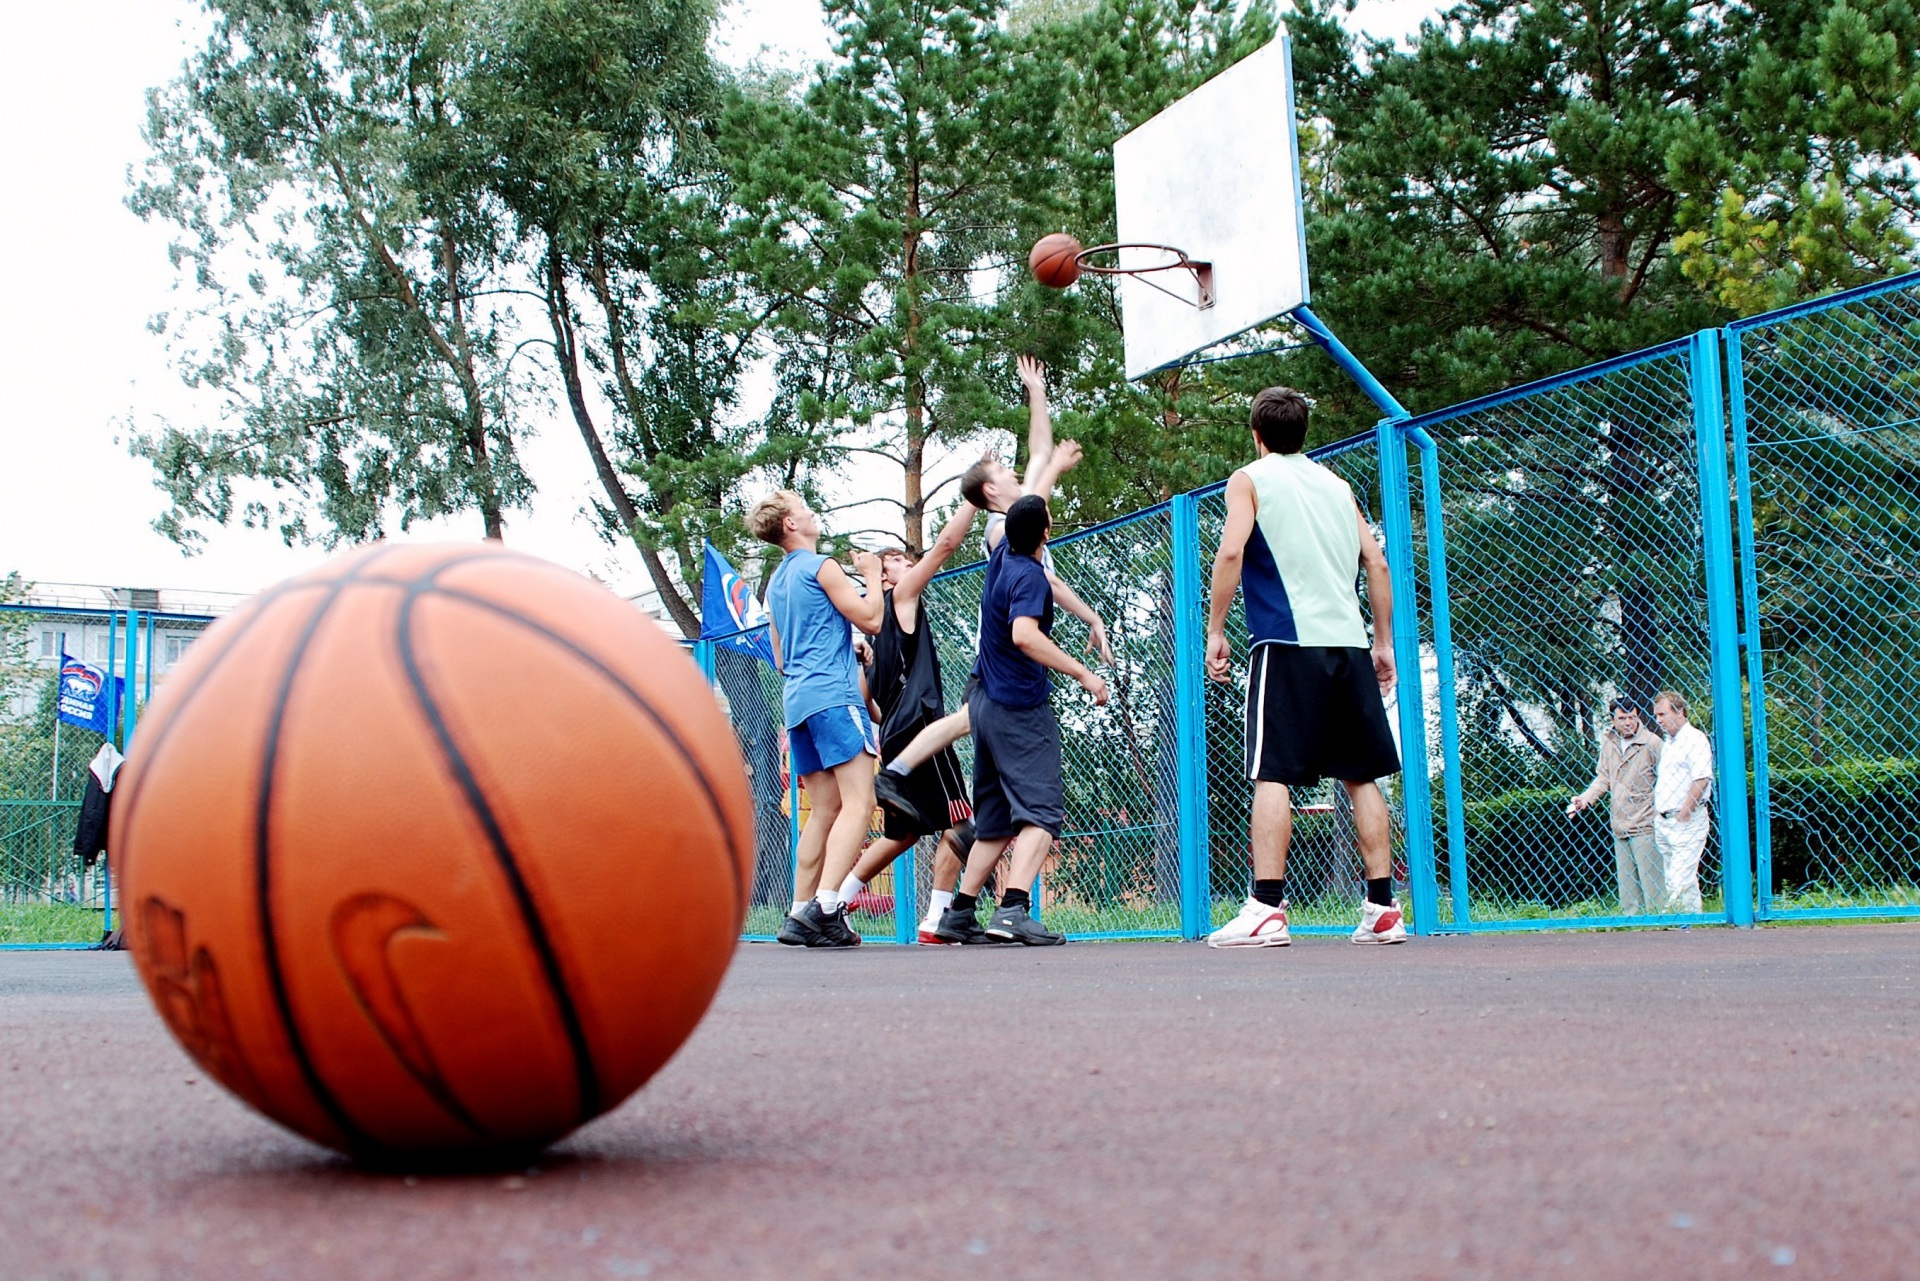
(904, 684)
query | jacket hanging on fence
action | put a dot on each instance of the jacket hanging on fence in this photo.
(90, 839)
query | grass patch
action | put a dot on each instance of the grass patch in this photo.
(49, 923)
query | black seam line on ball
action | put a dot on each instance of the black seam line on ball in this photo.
(585, 1075)
(138, 784)
(263, 865)
(638, 700)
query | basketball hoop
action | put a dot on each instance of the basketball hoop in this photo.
(1175, 260)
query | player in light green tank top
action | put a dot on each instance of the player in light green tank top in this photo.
(1293, 544)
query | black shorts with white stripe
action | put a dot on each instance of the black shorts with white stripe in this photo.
(1316, 712)
(938, 791)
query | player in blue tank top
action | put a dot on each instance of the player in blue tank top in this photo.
(830, 734)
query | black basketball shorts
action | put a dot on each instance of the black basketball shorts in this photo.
(938, 791)
(1316, 712)
(1016, 768)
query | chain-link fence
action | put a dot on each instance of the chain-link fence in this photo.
(1825, 403)
(1571, 513)
(49, 896)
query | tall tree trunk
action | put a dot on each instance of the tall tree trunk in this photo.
(914, 460)
(566, 346)
(1633, 520)
(486, 493)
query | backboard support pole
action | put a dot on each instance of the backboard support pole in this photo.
(1348, 361)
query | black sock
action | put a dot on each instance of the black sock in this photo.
(1015, 898)
(1380, 890)
(965, 902)
(1273, 893)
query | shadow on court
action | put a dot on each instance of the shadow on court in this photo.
(1697, 1102)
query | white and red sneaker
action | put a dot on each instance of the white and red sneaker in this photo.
(1381, 924)
(1257, 925)
(927, 938)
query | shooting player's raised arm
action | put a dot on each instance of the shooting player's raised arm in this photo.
(916, 579)
(1033, 376)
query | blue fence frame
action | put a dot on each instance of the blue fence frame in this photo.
(1719, 393)
(1738, 337)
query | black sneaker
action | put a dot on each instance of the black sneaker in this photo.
(1014, 925)
(795, 932)
(890, 792)
(957, 925)
(830, 929)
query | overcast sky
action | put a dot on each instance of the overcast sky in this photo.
(82, 276)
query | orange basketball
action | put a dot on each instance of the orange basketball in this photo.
(1054, 260)
(434, 849)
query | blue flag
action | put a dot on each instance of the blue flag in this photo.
(87, 699)
(728, 606)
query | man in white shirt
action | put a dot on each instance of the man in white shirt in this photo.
(1680, 789)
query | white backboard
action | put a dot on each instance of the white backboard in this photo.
(1218, 175)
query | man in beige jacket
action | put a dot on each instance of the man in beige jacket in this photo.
(1629, 757)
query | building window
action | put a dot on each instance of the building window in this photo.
(175, 647)
(49, 645)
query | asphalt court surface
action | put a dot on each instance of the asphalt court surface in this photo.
(1701, 1103)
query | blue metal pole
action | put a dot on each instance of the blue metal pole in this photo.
(703, 656)
(1189, 662)
(133, 679)
(1416, 796)
(1729, 742)
(146, 673)
(793, 825)
(1459, 887)
(1750, 609)
(906, 896)
(1349, 362)
(113, 690)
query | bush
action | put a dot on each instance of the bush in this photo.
(1851, 826)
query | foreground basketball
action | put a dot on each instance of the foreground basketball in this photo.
(1055, 260)
(435, 849)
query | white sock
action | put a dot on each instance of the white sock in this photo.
(851, 887)
(895, 767)
(828, 900)
(797, 905)
(938, 902)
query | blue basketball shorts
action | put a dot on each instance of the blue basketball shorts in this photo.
(832, 737)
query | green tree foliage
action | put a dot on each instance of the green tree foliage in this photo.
(882, 203)
(1800, 179)
(594, 122)
(310, 156)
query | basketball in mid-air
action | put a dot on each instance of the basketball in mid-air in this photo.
(437, 849)
(1054, 260)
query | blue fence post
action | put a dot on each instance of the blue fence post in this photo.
(906, 896)
(1750, 612)
(1729, 740)
(703, 657)
(114, 733)
(132, 686)
(1460, 888)
(1416, 796)
(1189, 666)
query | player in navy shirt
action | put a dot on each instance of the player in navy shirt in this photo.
(1017, 794)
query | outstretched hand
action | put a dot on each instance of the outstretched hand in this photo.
(1033, 375)
(1066, 456)
(867, 565)
(1097, 642)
